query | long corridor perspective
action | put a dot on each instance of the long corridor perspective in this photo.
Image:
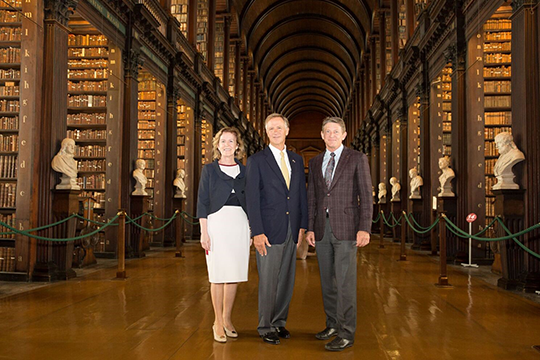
(163, 311)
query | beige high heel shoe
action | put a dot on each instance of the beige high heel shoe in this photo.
(218, 338)
(230, 333)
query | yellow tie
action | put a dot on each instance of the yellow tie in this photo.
(285, 170)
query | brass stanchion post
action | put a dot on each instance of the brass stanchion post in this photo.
(403, 255)
(381, 245)
(178, 235)
(121, 273)
(443, 277)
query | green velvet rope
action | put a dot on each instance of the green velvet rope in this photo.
(183, 214)
(27, 233)
(376, 220)
(388, 223)
(156, 229)
(463, 234)
(536, 255)
(396, 221)
(42, 227)
(428, 229)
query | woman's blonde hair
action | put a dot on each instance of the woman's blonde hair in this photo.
(239, 152)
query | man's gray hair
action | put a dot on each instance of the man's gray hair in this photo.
(276, 115)
(335, 120)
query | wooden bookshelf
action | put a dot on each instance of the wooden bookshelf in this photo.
(219, 49)
(87, 111)
(497, 71)
(232, 72)
(179, 9)
(10, 74)
(414, 137)
(202, 27)
(446, 87)
(206, 142)
(402, 23)
(181, 123)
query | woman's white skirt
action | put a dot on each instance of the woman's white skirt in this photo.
(228, 258)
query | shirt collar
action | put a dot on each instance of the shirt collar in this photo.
(276, 151)
(338, 151)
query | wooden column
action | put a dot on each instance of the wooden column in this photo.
(423, 92)
(367, 102)
(526, 126)
(361, 96)
(256, 117)
(251, 96)
(244, 85)
(410, 18)
(226, 50)
(382, 45)
(373, 61)
(394, 29)
(404, 151)
(192, 23)
(237, 70)
(52, 127)
(211, 40)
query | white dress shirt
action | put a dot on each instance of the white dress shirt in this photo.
(326, 160)
(277, 155)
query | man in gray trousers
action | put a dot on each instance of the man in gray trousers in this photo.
(277, 210)
(340, 212)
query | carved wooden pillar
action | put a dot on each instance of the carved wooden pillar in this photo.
(373, 44)
(237, 70)
(410, 18)
(382, 45)
(423, 92)
(251, 96)
(362, 97)
(245, 85)
(256, 116)
(403, 150)
(211, 40)
(226, 50)
(367, 101)
(52, 127)
(192, 23)
(394, 29)
(525, 124)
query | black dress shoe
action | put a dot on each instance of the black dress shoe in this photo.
(283, 333)
(271, 338)
(326, 333)
(338, 344)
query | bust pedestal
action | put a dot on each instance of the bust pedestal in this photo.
(56, 258)
(135, 236)
(416, 206)
(179, 226)
(395, 208)
(510, 206)
(448, 206)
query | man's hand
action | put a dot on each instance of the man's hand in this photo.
(362, 238)
(205, 241)
(301, 233)
(310, 238)
(261, 242)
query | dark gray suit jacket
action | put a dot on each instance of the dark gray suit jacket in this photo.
(349, 201)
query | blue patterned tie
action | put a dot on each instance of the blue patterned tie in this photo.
(329, 170)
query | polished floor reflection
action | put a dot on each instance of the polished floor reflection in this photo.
(163, 311)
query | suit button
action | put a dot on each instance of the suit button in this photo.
(327, 194)
(288, 198)
(287, 213)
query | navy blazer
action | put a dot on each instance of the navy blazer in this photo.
(215, 187)
(270, 205)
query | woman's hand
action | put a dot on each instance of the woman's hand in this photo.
(205, 241)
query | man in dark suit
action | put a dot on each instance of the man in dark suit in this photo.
(277, 211)
(340, 212)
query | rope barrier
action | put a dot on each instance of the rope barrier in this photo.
(388, 224)
(396, 221)
(536, 255)
(376, 220)
(153, 230)
(508, 237)
(416, 223)
(428, 229)
(27, 233)
(186, 220)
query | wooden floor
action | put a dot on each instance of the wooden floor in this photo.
(163, 311)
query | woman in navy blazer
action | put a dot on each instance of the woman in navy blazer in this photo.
(221, 209)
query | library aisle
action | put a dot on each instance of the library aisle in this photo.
(163, 311)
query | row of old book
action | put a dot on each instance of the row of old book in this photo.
(7, 259)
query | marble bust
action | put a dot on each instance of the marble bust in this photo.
(140, 178)
(396, 188)
(382, 193)
(179, 184)
(509, 155)
(416, 182)
(446, 177)
(64, 163)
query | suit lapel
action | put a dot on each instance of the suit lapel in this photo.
(342, 163)
(271, 160)
(317, 167)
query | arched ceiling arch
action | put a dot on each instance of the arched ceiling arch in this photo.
(306, 53)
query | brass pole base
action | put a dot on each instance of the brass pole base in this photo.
(443, 282)
(179, 254)
(403, 258)
(121, 275)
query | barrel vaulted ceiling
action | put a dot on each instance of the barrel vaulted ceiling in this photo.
(306, 53)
